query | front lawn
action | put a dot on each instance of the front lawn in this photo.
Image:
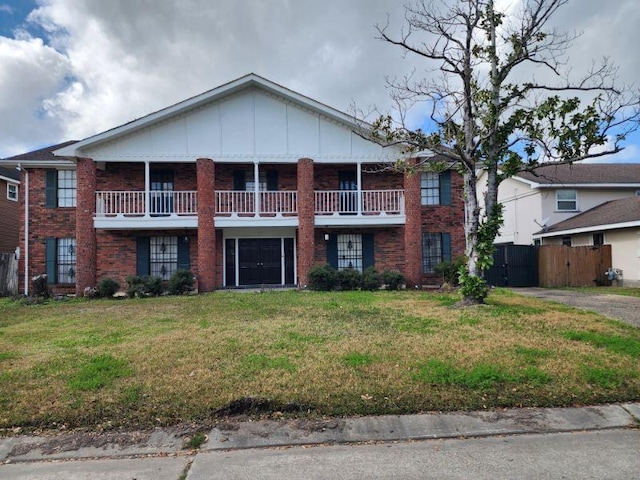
(141, 363)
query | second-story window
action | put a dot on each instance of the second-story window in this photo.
(66, 188)
(435, 188)
(566, 200)
(12, 192)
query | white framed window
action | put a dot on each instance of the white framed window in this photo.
(12, 192)
(430, 188)
(67, 186)
(566, 200)
(163, 256)
(66, 260)
(350, 252)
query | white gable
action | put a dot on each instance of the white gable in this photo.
(246, 125)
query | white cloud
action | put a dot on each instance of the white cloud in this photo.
(105, 63)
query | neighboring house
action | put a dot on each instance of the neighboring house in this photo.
(248, 184)
(9, 208)
(555, 193)
(616, 223)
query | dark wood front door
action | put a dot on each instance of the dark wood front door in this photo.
(260, 261)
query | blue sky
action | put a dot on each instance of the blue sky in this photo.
(73, 68)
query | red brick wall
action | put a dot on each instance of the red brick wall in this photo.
(206, 226)
(43, 223)
(85, 233)
(306, 241)
(122, 176)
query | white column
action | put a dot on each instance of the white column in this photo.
(256, 184)
(359, 180)
(147, 188)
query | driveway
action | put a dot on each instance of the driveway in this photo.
(617, 307)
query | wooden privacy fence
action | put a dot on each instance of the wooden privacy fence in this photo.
(563, 266)
(8, 275)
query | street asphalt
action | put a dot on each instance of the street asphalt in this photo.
(601, 441)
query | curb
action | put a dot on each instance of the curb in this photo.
(283, 433)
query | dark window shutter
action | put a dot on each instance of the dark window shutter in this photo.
(272, 180)
(142, 258)
(446, 247)
(332, 251)
(289, 254)
(183, 253)
(239, 180)
(50, 259)
(445, 188)
(368, 253)
(51, 188)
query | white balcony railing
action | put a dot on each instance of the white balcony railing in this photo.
(245, 204)
(365, 202)
(133, 203)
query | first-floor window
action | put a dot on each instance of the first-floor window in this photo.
(566, 240)
(60, 260)
(163, 256)
(350, 252)
(436, 248)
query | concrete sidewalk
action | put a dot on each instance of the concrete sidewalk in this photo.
(160, 454)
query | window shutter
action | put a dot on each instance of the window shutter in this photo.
(272, 180)
(239, 183)
(50, 259)
(183, 253)
(51, 188)
(332, 251)
(142, 258)
(446, 247)
(445, 188)
(368, 253)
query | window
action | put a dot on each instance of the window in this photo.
(60, 188)
(566, 240)
(566, 200)
(12, 192)
(430, 188)
(163, 256)
(598, 239)
(244, 180)
(436, 248)
(435, 188)
(350, 252)
(60, 258)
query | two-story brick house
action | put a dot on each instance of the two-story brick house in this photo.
(247, 184)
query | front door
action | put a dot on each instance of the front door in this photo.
(260, 261)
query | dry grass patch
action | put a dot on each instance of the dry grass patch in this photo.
(188, 359)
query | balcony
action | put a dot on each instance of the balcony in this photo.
(179, 209)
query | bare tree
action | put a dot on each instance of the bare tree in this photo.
(501, 99)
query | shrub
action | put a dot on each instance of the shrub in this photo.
(393, 280)
(450, 271)
(40, 287)
(323, 278)
(144, 286)
(349, 279)
(107, 287)
(371, 279)
(181, 282)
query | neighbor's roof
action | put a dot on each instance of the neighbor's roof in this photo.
(584, 174)
(38, 157)
(9, 174)
(609, 215)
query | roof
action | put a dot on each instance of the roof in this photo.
(621, 213)
(584, 174)
(10, 173)
(247, 81)
(37, 157)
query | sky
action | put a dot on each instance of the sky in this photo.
(73, 68)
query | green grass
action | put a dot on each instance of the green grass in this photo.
(157, 362)
(627, 291)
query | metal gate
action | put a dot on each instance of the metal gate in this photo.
(513, 266)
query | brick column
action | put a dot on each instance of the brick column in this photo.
(206, 225)
(412, 229)
(86, 248)
(306, 220)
